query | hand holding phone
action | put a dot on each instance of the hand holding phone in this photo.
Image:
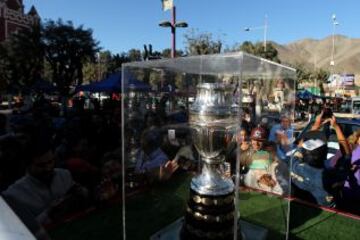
(327, 113)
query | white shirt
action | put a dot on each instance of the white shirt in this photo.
(36, 196)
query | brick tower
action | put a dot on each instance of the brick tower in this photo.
(13, 18)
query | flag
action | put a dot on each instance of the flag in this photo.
(167, 4)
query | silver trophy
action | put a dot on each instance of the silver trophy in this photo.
(212, 116)
(210, 209)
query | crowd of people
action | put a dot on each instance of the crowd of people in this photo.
(307, 107)
(322, 162)
(320, 166)
(52, 164)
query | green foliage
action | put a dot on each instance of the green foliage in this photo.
(322, 75)
(166, 53)
(248, 47)
(201, 43)
(55, 50)
(116, 62)
(59, 52)
(259, 50)
(134, 55)
(306, 74)
(4, 64)
(22, 58)
(67, 48)
(90, 72)
(302, 73)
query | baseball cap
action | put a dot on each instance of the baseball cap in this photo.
(258, 133)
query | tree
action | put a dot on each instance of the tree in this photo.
(116, 62)
(259, 50)
(248, 47)
(22, 58)
(90, 72)
(103, 60)
(5, 74)
(271, 53)
(302, 74)
(201, 43)
(104, 66)
(322, 75)
(166, 53)
(67, 49)
(134, 55)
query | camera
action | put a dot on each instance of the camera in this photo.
(327, 113)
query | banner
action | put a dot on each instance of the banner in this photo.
(167, 4)
(348, 79)
(337, 80)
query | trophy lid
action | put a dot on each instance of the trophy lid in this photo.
(215, 99)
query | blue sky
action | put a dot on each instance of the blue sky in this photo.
(120, 25)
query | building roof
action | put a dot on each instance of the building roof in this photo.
(14, 4)
(33, 11)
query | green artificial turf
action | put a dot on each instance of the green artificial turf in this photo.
(151, 210)
(102, 224)
(265, 210)
(310, 223)
(154, 209)
(305, 222)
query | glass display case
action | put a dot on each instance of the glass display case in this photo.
(202, 147)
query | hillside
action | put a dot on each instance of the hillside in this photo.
(317, 53)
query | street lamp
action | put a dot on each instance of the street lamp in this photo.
(173, 25)
(334, 23)
(265, 26)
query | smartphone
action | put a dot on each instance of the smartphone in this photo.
(171, 134)
(327, 113)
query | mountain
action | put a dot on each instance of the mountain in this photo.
(317, 53)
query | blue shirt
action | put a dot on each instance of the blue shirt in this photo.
(147, 162)
(289, 132)
(309, 178)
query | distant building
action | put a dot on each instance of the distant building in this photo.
(342, 85)
(13, 18)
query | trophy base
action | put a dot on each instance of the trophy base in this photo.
(209, 217)
(172, 231)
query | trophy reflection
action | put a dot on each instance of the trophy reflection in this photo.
(210, 211)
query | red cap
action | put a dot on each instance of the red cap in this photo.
(258, 133)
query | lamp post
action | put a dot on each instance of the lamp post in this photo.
(264, 27)
(332, 61)
(173, 25)
(334, 23)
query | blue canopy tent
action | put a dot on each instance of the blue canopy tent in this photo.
(138, 85)
(113, 84)
(168, 88)
(109, 84)
(305, 94)
(43, 86)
